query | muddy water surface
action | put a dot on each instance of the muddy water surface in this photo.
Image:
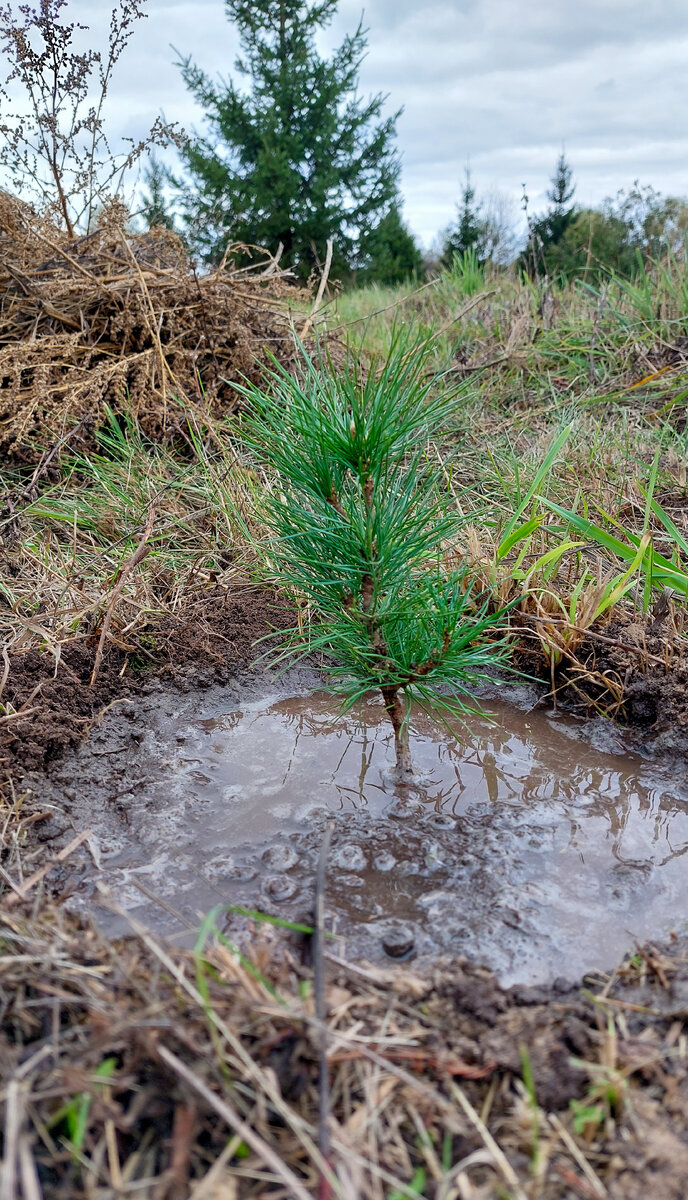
(528, 847)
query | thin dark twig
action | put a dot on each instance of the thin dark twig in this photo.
(320, 1008)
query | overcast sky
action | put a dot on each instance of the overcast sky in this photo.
(502, 84)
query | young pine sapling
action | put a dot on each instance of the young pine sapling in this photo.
(360, 514)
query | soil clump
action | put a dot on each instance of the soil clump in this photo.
(652, 667)
(631, 669)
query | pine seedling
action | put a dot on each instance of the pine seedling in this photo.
(359, 514)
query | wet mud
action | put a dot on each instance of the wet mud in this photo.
(537, 844)
(55, 706)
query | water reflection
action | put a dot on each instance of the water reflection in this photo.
(594, 804)
(526, 847)
(524, 761)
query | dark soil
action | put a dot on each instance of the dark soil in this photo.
(655, 693)
(633, 670)
(210, 642)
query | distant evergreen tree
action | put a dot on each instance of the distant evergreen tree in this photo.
(560, 196)
(154, 204)
(388, 253)
(546, 232)
(299, 156)
(469, 231)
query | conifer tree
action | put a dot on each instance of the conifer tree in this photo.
(560, 196)
(154, 204)
(297, 156)
(546, 232)
(468, 233)
(358, 523)
(389, 253)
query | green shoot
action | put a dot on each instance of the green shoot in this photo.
(75, 1115)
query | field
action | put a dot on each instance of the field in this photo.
(136, 561)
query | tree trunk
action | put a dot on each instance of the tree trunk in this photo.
(396, 712)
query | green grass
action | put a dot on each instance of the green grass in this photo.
(75, 537)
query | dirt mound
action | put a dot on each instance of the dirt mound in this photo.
(643, 662)
(123, 319)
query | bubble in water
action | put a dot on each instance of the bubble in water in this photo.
(217, 867)
(404, 810)
(349, 881)
(280, 857)
(442, 820)
(350, 857)
(233, 792)
(398, 941)
(407, 866)
(437, 903)
(279, 887)
(385, 861)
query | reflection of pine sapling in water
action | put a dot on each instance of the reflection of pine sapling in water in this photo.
(360, 512)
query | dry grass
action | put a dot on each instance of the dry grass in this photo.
(131, 1069)
(123, 320)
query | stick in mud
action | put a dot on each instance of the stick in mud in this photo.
(320, 1008)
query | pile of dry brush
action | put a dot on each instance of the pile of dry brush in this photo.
(124, 320)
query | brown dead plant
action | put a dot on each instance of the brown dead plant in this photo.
(54, 145)
(120, 319)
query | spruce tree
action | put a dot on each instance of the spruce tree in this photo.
(468, 233)
(296, 157)
(546, 232)
(560, 195)
(154, 203)
(389, 254)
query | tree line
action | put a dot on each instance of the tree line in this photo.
(289, 157)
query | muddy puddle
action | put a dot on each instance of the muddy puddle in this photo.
(538, 846)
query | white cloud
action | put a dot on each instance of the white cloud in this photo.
(501, 83)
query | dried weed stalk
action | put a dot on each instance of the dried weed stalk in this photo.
(54, 147)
